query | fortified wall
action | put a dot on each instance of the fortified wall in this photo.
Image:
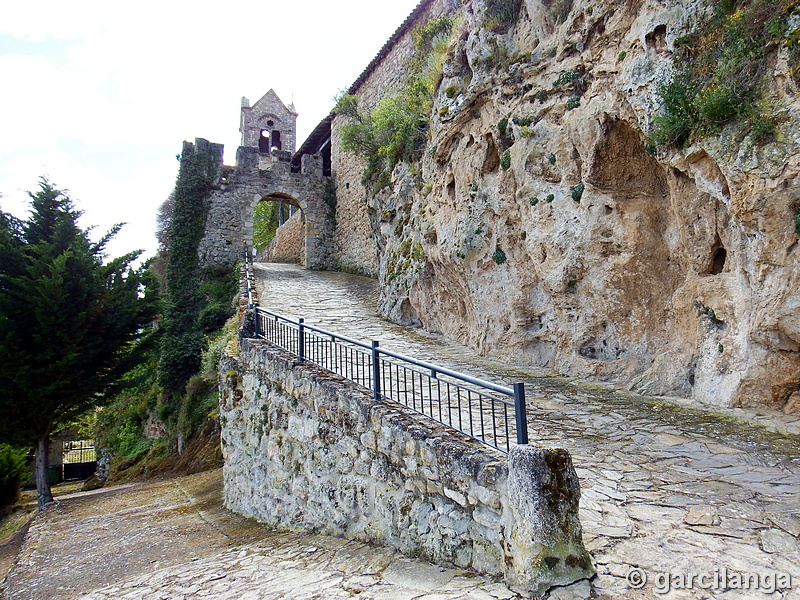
(264, 173)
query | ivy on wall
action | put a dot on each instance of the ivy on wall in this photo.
(182, 339)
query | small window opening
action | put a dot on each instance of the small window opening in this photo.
(276, 140)
(264, 141)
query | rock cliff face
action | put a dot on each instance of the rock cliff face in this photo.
(539, 227)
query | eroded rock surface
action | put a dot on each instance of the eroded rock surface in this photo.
(673, 272)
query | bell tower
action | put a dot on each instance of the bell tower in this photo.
(269, 126)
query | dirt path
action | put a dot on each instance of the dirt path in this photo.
(173, 539)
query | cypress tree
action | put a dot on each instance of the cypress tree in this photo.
(71, 324)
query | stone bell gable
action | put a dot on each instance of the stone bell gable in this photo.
(268, 125)
(264, 172)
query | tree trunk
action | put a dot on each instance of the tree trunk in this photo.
(43, 493)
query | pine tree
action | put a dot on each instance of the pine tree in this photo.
(71, 324)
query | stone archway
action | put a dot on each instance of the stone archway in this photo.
(289, 242)
(229, 225)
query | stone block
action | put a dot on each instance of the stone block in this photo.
(545, 545)
(456, 496)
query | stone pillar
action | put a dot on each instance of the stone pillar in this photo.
(543, 538)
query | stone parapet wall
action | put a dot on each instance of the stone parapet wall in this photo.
(305, 449)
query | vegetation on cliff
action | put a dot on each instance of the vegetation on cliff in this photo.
(395, 129)
(722, 72)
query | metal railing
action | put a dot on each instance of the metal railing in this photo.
(485, 411)
(488, 412)
(249, 290)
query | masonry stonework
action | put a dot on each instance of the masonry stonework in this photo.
(229, 226)
(305, 449)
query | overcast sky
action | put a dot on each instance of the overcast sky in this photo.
(99, 96)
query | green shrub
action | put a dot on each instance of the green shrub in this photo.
(505, 159)
(534, 201)
(550, 198)
(201, 400)
(395, 129)
(265, 223)
(131, 445)
(720, 71)
(213, 316)
(573, 102)
(567, 77)
(499, 256)
(797, 221)
(577, 192)
(498, 57)
(13, 469)
(502, 126)
(500, 15)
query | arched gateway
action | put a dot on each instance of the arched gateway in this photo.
(264, 175)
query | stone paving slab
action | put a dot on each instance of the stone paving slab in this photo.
(667, 488)
(677, 503)
(173, 540)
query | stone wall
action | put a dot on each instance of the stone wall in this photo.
(307, 450)
(229, 226)
(357, 247)
(289, 242)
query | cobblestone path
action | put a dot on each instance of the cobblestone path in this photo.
(676, 502)
(173, 540)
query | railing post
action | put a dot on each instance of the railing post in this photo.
(257, 323)
(521, 415)
(376, 372)
(301, 340)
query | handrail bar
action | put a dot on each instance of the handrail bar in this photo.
(419, 363)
